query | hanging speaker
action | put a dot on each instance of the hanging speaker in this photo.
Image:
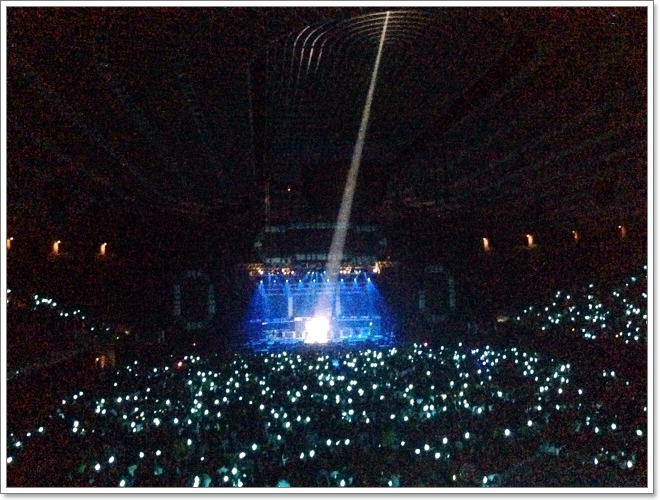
(194, 300)
(437, 296)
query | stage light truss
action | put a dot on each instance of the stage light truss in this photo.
(259, 270)
(306, 245)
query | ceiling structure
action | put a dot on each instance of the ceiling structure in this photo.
(514, 116)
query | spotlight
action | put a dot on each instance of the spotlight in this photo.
(317, 330)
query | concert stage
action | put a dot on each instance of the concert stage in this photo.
(284, 310)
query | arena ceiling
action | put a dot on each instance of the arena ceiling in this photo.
(480, 115)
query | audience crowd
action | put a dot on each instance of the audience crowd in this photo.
(416, 415)
(595, 311)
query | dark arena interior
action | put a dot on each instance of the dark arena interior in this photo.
(327, 247)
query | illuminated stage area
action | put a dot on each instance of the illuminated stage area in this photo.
(284, 310)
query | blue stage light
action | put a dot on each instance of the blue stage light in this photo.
(277, 314)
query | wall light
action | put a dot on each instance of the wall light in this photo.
(530, 240)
